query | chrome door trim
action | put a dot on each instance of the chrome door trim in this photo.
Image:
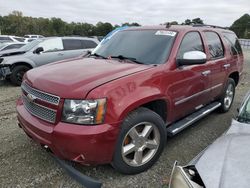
(197, 94)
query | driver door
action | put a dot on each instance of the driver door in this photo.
(190, 90)
(53, 51)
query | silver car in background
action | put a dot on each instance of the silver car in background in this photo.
(225, 163)
(14, 63)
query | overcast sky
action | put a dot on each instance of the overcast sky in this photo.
(151, 12)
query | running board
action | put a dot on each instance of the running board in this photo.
(185, 122)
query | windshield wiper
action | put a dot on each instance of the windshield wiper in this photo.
(127, 58)
(98, 55)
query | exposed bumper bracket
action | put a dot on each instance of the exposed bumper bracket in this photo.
(84, 180)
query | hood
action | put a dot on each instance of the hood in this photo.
(74, 79)
(11, 52)
(226, 163)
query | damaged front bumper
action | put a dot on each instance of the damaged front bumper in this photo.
(4, 70)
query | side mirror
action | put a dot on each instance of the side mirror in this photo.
(38, 50)
(192, 58)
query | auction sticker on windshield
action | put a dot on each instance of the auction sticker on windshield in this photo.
(168, 33)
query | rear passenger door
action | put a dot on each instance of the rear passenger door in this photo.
(216, 63)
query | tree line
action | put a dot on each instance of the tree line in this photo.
(17, 24)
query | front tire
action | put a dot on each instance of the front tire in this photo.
(227, 96)
(17, 74)
(141, 142)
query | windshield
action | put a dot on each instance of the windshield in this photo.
(244, 114)
(30, 45)
(145, 46)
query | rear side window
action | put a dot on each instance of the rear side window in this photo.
(89, 44)
(72, 44)
(191, 42)
(233, 42)
(214, 45)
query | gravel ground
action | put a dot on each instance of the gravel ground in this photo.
(24, 164)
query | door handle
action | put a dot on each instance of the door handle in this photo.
(205, 73)
(60, 54)
(226, 66)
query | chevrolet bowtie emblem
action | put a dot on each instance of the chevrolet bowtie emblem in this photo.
(31, 97)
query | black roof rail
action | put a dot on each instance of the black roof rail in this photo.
(206, 25)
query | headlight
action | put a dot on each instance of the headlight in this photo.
(84, 111)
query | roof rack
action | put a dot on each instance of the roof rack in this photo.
(206, 25)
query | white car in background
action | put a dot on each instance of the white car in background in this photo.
(10, 38)
(30, 38)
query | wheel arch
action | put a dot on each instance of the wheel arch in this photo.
(157, 104)
(235, 76)
(21, 63)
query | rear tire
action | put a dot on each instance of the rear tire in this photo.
(227, 97)
(140, 143)
(17, 74)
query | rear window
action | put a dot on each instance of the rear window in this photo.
(89, 44)
(233, 42)
(5, 39)
(214, 45)
(72, 44)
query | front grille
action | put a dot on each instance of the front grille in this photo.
(39, 111)
(40, 94)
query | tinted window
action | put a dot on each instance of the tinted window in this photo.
(89, 44)
(72, 44)
(244, 114)
(5, 39)
(233, 42)
(50, 45)
(214, 45)
(146, 46)
(13, 46)
(19, 39)
(191, 42)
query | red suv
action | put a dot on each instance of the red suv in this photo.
(118, 104)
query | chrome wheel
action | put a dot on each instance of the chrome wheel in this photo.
(228, 99)
(140, 144)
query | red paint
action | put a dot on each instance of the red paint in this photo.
(126, 87)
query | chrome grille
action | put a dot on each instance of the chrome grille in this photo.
(39, 111)
(40, 94)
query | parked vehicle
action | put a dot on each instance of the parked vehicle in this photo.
(118, 104)
(33, 36)
(27, 40)
(223, 164)
(11, 45)
(14, 63)
(30, 38)
(9, 38)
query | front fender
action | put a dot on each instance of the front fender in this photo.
(128, 93)
(13, 61)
